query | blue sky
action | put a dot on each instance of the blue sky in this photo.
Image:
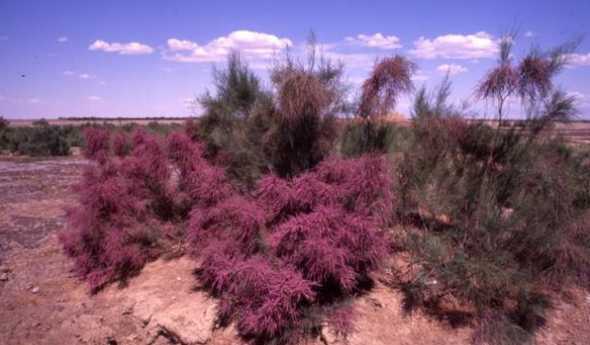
(147, 58)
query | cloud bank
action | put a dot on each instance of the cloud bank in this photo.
(453, 46)
(131, 48)
(251, 44)
(377, 40)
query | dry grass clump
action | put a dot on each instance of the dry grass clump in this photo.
(390, 78)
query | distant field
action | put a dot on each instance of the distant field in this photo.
(577, 132)
(116, 122)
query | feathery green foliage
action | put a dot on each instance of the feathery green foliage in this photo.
(498, 213)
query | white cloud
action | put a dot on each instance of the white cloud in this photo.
(377, 40)
(34, 100)
(578, 59)
(250, 44)
(529, 34)
(451, 69)
(86, 76)
(178, 45)
(94, 98)
(62, 39)
(131, 48)
(453, 46)
(68, 73)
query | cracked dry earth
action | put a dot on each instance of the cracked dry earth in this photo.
(41, 302)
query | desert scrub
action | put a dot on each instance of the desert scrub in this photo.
(129, 205)
(369, 132)
(286, 129)
(320, 233)
(497, 214)
(41, 139)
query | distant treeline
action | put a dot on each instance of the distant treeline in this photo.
(124, 118)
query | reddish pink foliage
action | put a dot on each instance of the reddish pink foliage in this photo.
(109, 235)
(330, 246)
(184, 152)
(235, 219)
(99, 238)
(97, 143)
(367, 189)
(276, 196)
(208, 186)
(282, 198)
(147, 166)
(362, 186)
(297, 242)
(204, 183)
(325, 227)
(121, 144)
(266, 300)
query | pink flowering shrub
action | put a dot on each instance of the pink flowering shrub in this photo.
(362, 186)
(126, 205)
(102, 239)
(330, 247)
(121, 144)
(296, 249)
(266, 300)
(236, 219)
(281, 259)
(97, 143)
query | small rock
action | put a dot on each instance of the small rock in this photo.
(35, 289)
(4, 269)
(375, 302)
(128, 310)
(4, 277)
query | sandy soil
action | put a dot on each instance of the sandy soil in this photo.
(42, 303)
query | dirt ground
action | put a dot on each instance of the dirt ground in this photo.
(41, 302)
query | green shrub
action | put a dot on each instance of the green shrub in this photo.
(499, 214)
(286, 130)
(40, 140)
(3, 123)
(4, 133)
(308, 98)
(224, 126)
(362, 136)
(162, 128)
